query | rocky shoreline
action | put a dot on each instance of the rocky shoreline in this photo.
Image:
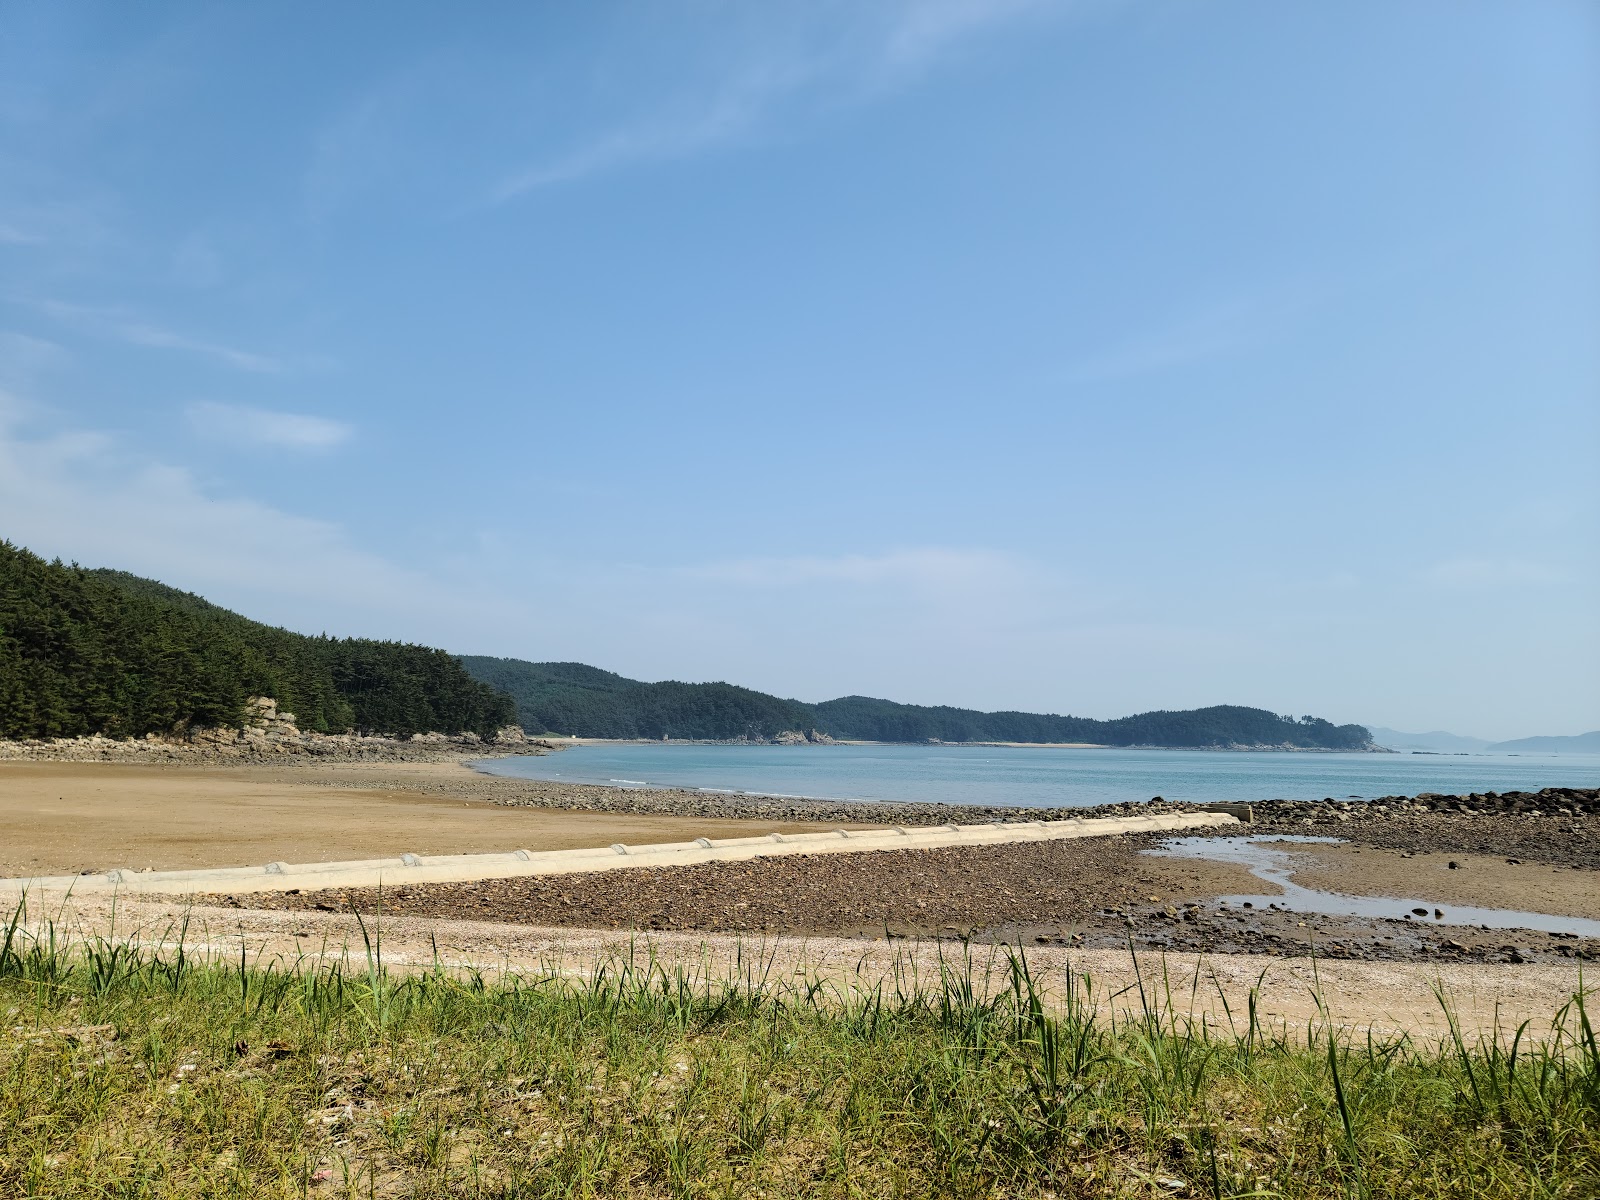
(1278, 815)
(270, 735)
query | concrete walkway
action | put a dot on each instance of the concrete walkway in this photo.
(459, 868)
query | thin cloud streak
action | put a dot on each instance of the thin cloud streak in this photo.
(22, 355)
(1198, 336)
(925, 30)
(242, 424)
(1476, 573)
(892, 45)
(928, 568)
(133, 330)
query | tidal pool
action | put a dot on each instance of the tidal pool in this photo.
(1262, 857)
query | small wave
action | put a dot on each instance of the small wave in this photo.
(634, 782)
(719, 791)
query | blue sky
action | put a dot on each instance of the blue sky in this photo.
(1087, 357)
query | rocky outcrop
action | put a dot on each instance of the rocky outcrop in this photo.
(269, 733)
(1547, 802)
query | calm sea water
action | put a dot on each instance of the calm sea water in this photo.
(1039, 778)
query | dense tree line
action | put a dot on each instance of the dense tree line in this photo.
(86, 651)
(578, 699)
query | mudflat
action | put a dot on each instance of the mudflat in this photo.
(65, 818)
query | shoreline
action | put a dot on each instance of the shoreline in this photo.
(561, 741)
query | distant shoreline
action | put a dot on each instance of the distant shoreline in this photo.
(557, 741)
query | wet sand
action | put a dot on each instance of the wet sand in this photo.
(67, 818)
(1489, 881)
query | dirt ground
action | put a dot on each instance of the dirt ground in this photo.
(68, 818)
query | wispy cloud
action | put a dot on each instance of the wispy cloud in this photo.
(242, 425)
(1474, 572)
(11, 235)
(1201, 334)
(920, 32)
(731, 113)
(352, 150)
(124, 326)
(923, 587)
(928, 567)
(22, 356)
(80, 494)
(140, 334)
(878, 47)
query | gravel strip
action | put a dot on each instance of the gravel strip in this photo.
(682, 802)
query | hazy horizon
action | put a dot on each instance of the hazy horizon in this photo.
(1088, 357)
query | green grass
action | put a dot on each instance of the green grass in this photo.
(132, 1072)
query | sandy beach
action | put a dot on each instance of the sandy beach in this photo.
(67, 818)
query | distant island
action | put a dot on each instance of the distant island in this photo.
(585, 701)
(1440, 742)
(1578, 743)
(96, 651)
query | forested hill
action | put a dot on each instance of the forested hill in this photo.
(97, 651)
(85, 651)
(1220, 725)
(589, 702)
(572, 698)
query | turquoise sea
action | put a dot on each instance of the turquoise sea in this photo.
(1040, 778)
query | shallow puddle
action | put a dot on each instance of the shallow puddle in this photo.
(1266, 862)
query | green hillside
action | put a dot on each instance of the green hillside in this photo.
(574, 698)
(86, 651)
(100, 651)
(1220, 725)
(571, 698)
